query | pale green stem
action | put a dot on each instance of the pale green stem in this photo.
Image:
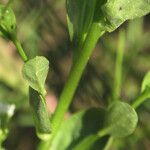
(118, 66)
(20, 49)
(118, 75)
(86, 143)
(90, 140)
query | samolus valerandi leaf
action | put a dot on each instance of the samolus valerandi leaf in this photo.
(35, 72)
(114, 12)
(40, 114)
(80, 17)
(146, 82)
(120, 120)
(7, 22)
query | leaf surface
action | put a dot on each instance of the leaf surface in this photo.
(121, 119)
(40, 114)
(35, 72)
(114, 12)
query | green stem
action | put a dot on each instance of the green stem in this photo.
(1, 144)
(109, 143)
(143, 97)
(75, 76)
(90, 140)
(118, 67)
(86, 143)
(20, 49)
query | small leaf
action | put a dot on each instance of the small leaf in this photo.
(146, 82)
(40, 114)
(120, 120)
(35, 72)
(114, 12)
(78, 127)
(7, 22)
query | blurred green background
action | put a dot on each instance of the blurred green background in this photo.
(42, 30)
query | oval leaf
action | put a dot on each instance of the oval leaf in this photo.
(114, 12)
(121, 119)
(35, 72)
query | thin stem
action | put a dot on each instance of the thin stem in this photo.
(118, 66)
(143, 97)
(20, 49)
(90, 140)
(1, 144)
(87, 142)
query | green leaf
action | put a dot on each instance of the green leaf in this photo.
(108, 14)
(7, 22)
(80, 17)
(146, 82)
(120, 120)
(40, 114)
(35, 72)
(78, 127)
(114, 12)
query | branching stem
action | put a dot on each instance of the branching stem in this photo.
(75, 76)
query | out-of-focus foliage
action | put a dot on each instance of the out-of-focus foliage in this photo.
(42, 28)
